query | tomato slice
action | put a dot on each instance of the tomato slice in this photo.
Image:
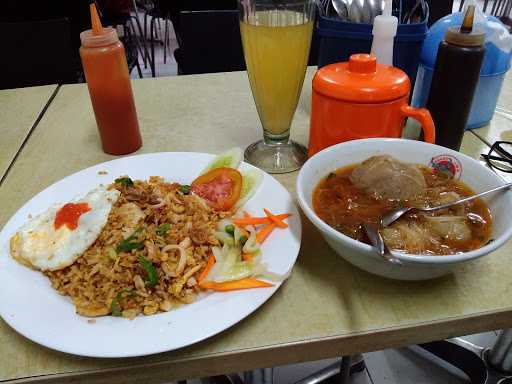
(220, 187)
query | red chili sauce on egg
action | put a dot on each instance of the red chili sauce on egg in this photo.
(69, 215)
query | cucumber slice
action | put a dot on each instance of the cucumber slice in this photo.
(230, 159)
(251, 181)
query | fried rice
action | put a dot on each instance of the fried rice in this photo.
(168, 227)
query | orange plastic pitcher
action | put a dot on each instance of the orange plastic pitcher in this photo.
(361, 99)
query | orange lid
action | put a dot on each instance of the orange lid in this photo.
(362, 80)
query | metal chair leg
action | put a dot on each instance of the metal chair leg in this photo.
(139, 70)
(259, 376)
(495, 7)
(499, 357)
(132, 39)
(140, 46)
(166, 38)
(141, 38)
(467, 361)
(481, 365)
(159, 28)
(152, 42)
(136, 16)
(145, 38)
(340, 370)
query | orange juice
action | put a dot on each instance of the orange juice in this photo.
(276, 48)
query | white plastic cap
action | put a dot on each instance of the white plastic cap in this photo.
(385, 25)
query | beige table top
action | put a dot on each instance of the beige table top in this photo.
(327, 308)
(19, 110)
(500, 127)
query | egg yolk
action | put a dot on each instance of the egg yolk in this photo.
(69, 214)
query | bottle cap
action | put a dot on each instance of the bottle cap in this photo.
(97, 36)
(465, 35)
(385, 25)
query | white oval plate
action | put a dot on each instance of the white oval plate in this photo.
(32, 307)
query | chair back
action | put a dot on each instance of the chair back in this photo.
(210, 42)
(36, 53)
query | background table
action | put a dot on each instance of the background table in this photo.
(19, 110)
(327, 307)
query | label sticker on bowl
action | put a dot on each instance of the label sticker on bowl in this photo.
(447, 164)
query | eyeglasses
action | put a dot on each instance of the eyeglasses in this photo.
(500, 156)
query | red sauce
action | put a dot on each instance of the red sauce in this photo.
(69, 215)
(111, 94)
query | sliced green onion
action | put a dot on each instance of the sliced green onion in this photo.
(124, 181)
(115, 307)
(185, 189)
(162, 229)
(128, 244)
(150, 270)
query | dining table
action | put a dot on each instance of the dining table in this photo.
(20, 110)
(326, 308)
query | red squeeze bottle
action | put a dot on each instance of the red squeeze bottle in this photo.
(108, 80)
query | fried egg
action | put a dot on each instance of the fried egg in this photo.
(57, 237)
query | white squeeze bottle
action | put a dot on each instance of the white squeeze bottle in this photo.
(384, 32)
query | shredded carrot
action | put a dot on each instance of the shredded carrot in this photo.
(280, 223)
(259, 220)
(246, 257)
(247, 215)
(264, 232)
(207, 268)
(234, 285)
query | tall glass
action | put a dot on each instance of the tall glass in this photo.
(276, 37)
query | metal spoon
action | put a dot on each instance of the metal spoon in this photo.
(367, 12)
(393, 215)
(378, 242)
(341, 8)
(375, 9)
(355, 11)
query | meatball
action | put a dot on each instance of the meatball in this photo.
(384, 177)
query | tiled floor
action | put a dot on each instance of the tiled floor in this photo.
(397, 366)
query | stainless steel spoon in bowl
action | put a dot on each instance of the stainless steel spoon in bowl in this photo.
(377, 241)
(393, 215)
(390, 217)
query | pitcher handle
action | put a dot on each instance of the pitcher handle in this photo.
(425, 119)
